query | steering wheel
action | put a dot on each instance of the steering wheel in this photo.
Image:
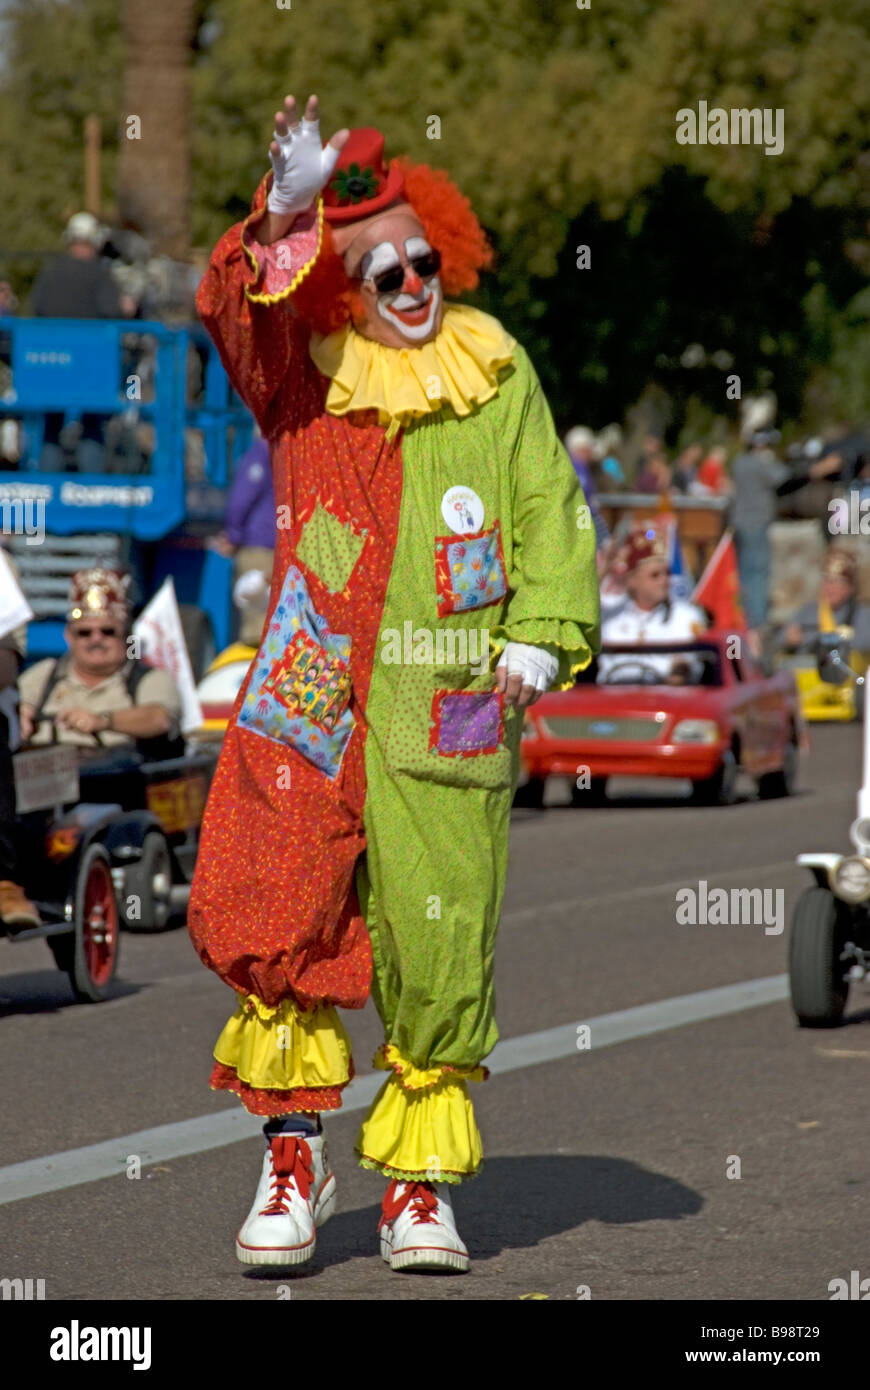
(651, 674)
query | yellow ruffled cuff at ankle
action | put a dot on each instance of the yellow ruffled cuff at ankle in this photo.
(388, 1058)
(429, 1134)
(283, 1048)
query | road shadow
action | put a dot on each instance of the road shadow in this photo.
(48, 992)
(517, 1202)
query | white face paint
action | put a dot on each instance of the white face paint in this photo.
(411, 312)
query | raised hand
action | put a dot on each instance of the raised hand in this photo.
(300, 164)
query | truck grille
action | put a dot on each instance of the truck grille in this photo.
(639, 730)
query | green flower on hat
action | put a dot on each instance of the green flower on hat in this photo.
(355, 183)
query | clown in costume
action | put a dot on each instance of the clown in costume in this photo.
(357, 829)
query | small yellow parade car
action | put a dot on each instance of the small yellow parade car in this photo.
(820, 701)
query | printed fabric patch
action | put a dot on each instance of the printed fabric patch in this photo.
(469, 571)
(465, 723)
(329, 548)
(299, 691)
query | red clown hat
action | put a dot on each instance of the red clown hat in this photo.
(360, 184)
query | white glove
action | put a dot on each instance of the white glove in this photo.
(536, 666)
(301, 168)
(250, 585)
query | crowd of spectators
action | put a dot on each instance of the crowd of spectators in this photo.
(747, 482)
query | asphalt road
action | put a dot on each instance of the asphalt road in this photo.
(606, 1170)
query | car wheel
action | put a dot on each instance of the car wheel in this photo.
(593, 795)
(721, 788)
(784, 781)
(531, 793)
(95, 956)
(149, 883)
(817, 976)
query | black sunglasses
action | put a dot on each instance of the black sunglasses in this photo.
(89, 631)
(427, 264)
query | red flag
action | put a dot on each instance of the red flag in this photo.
(718, 589)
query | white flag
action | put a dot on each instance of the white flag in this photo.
(14, 608)
(159, 627)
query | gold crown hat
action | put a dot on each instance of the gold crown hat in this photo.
(98, 593)
(839, 564)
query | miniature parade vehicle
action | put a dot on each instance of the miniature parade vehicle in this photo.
(105, 839)
(822, 702)
(701, 710)
(829, 944)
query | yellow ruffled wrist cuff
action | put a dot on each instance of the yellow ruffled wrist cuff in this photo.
(421, 1125)
(284, 1048)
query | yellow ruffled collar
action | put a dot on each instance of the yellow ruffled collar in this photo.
(459, 368)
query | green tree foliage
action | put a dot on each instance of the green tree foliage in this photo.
(559, 123)
(62, 61)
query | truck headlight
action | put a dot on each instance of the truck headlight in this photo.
(696, 731)
(850, 879)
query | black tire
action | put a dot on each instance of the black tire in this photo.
(150, 881)
(198, 637)
(816, 974)
(721, 788)
(784, 781)
(97, 927)
(593, 795)
(531, 794)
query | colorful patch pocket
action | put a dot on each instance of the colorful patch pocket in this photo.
(465, 723)
(299, 690)
(469, 571)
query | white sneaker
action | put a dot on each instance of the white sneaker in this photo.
(296, 1194)
(418, 1229)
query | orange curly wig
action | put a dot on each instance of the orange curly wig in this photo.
(327, 300)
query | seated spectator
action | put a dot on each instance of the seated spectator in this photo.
(711, 479)
(97, 695)
(686, 467)
(837, 609)
(655, 476)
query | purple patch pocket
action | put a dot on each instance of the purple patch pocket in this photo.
(466, 723)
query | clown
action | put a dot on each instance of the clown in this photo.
(367, 851)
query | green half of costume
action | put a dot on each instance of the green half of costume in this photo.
(442, 751)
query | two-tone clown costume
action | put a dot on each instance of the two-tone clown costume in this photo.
(356, 834)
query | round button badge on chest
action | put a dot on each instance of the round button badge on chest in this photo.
(462, 510)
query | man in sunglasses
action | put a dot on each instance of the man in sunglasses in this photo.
(356, 833)
(86, 698)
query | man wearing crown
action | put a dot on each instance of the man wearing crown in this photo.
(418, 478)
(97, 695)
(647, 613)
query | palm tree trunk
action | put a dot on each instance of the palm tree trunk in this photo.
(154, 169)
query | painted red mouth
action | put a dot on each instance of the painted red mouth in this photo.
(413, 317)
